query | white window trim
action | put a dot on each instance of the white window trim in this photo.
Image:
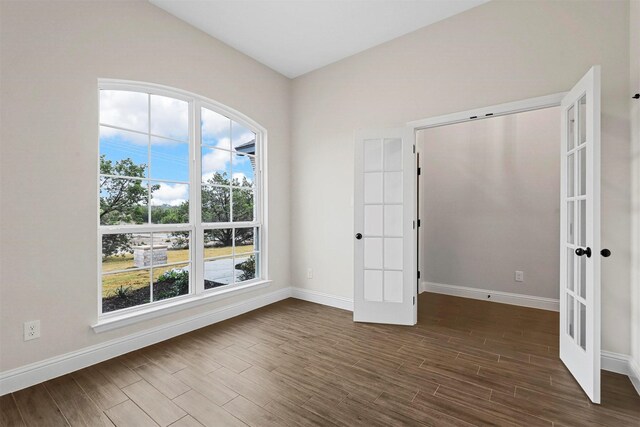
(198, 295)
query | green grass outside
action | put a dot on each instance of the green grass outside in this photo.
(140, 278)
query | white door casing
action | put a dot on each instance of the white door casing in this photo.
(580, 233)
(385, 267)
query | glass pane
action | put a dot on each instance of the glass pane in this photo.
(571, 122)
(570, 222)
(170, 117)
(571, 256)
(570, 316)
(582, 274)
(216, 204)
(168, 248)
(372, 285)
(393, 286)
(118, 250)
(373, 187)
(582, 172)
(243, 205)
(582, 325)
(582, 220)
(216, 129)
(245, 267)
(373, 220)
(570, 175)
(169, 203)
(123, 153)
(372, 155)
(218, 272)
(393, 220)
(218, 242)
(245, 241)
(392, 154)
(243, 140)
(123, 290)
(373, 253)
(170, 281)
(123, 201)
(243, 170)
(216, 166)
(169, 160)
(582, 120)
(393, 253)
(393, 187)
(129, 110)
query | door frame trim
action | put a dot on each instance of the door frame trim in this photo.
(481, 113)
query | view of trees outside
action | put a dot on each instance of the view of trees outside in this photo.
(145, 179)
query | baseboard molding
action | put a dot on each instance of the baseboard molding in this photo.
(615, 362)
(493, 296)
(634, 374)
(322, 298)
(35, 373)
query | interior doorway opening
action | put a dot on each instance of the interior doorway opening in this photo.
(489, 203)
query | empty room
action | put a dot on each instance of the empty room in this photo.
(320, 213)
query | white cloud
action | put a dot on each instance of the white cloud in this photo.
(240, 176)
(216, 160)
(170, 117)
(170, 194)
(128, 110)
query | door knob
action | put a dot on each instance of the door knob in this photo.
(605, 253)
(358, 236)
(586, 252)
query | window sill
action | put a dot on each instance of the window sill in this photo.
(110, 322)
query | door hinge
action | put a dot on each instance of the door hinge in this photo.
(414, 225)
(418, 223)
(414, 300)
(414, 148)
(419, 171)
(418, 274)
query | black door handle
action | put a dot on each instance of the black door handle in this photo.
(358, 236)
(586, 252)
(605, 253)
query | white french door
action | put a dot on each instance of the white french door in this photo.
(384, 205)
(580, 249)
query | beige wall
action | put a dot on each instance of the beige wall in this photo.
(498, 52)
(634, 33)
(52, 55)
(490, 203)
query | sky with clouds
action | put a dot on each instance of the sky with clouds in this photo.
(168, 118)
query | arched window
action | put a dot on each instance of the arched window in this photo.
(180, 197)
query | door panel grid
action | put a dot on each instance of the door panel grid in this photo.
(383, 204)
(580, 233)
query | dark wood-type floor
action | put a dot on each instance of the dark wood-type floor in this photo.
(295, 363)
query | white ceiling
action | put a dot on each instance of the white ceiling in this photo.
(297, 36)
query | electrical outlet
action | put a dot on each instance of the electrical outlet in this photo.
(31, 330)
(519, 276)
(309, 273)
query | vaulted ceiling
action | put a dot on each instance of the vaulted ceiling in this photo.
(295, 37)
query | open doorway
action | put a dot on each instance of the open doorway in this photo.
(489, 203)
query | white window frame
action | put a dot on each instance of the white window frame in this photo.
(197, 294)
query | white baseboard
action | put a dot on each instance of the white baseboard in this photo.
(493, 296)
(615, 362)
(634, 374)
(322, 298)
(35, 373)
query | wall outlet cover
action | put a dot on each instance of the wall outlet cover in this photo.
(519, 276)
(31, 330)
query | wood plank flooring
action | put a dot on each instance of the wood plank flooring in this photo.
(295, 363)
